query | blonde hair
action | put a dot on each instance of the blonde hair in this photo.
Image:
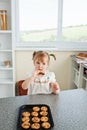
(41, 55)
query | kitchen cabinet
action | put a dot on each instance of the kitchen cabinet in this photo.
(79, 73)
(7, 87)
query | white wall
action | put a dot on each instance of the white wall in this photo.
(61, 67)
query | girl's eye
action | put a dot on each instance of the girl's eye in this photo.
(43, 63)
(38, 63)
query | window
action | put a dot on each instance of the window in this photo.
(74, 20)
(60, 24)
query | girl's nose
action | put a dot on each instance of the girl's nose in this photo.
(41, 65)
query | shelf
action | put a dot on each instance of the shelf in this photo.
(85, 65)
(5, 50)
(5, 31)
(5, 68)
(4, 0)
(6, 81)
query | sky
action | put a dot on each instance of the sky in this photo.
(75, 12)
(42, 14)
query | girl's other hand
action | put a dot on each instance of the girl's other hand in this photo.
(55, 87)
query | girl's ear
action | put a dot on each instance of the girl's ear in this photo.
(48, 64)
(34, 53)
(33, 62)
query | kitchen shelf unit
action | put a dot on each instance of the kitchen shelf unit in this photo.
(79, 78)
(7, 87)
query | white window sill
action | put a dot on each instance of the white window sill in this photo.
(59, 46)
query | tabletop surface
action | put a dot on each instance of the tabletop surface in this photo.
(69, 109)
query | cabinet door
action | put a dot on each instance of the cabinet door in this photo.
(6, 90)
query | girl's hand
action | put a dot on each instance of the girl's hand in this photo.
(38, 73)
(35, 74)
(55, 87)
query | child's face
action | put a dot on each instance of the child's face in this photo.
(41, 64)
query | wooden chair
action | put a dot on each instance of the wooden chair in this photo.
(19, 90)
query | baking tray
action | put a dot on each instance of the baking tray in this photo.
(29, 108)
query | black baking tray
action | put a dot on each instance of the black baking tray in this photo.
(28, 108)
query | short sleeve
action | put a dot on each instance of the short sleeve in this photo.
(52, 77)
(29, 74)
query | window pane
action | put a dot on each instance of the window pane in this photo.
(75, 20)
(38, 20)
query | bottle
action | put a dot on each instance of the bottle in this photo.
(3, 19)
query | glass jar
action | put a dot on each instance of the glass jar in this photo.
(3, 19)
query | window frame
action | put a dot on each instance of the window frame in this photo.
(59, 45)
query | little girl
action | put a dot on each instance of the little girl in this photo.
(41, 81)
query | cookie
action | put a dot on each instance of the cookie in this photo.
(41, 73)
(36, 119)
(44, 108)
(44, 118)
(36, 108)
(26, 113)
(35, 126)
(46, 125)
(43, 113)
(34, 113)
(25, 125)
(25, 118)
